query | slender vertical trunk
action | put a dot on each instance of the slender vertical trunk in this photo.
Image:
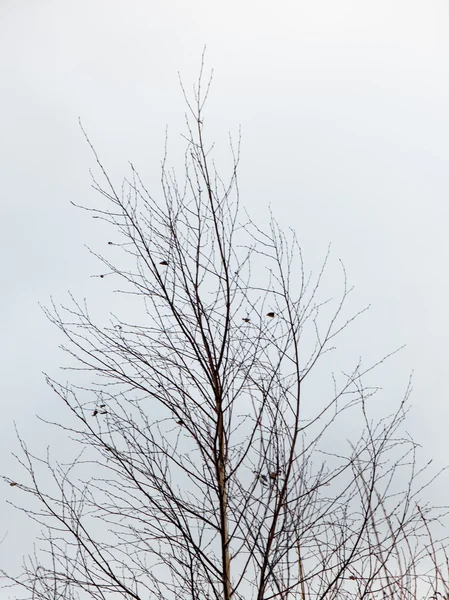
(223, 501)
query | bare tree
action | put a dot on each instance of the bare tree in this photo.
(210, 467)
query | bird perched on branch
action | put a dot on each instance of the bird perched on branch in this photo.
(271, 315)
(262, 478)
(245, 319)
(100, 412)
(164, 263)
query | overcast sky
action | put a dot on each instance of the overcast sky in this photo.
(343, 106)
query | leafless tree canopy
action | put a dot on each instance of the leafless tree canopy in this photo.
(210, 469)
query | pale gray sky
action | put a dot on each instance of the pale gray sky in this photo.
(344, 112)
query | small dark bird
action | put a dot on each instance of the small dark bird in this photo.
(164, 263)
(246, 320)
(271, 315)
(101, 276)
(180, 422)
(104, 412)
(273, 475)
(262, 478)
(102, 405)
(111, 243)
(95, 413)
(13, 483)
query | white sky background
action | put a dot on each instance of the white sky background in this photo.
(344, 112)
